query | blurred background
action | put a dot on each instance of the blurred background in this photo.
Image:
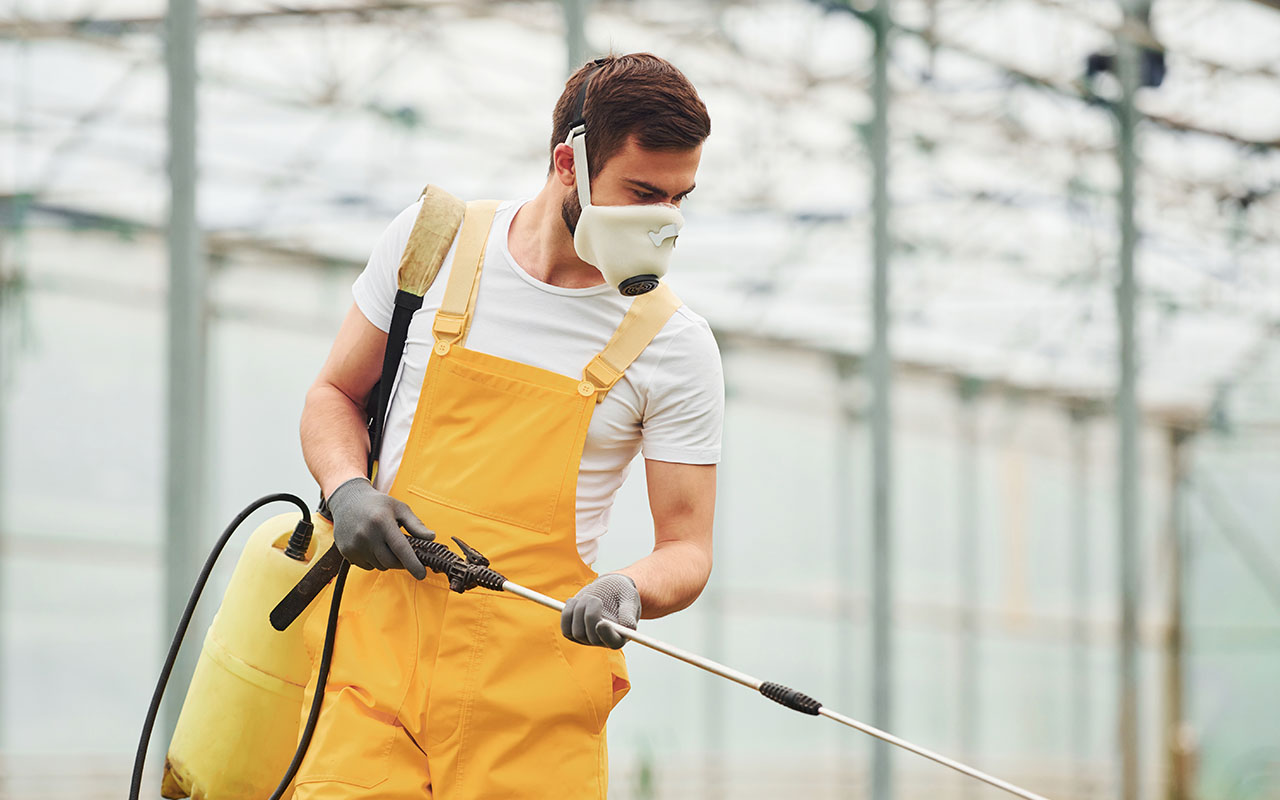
(1002, 448)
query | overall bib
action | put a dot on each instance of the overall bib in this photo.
(478, 695)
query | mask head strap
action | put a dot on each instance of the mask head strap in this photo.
(577, 138)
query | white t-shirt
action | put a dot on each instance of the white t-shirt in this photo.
(670, 402)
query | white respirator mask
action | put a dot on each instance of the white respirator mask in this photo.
(630, 245)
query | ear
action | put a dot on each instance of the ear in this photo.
(562, 160)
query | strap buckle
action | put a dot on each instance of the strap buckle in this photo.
(602, 375)
(448, 327)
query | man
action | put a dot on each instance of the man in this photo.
(497, 434)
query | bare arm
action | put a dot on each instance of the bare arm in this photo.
(335, 443)
(682, 498)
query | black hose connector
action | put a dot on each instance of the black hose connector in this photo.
(785, 695)
(300, 540)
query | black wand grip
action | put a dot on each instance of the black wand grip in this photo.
(790, 698)
(463, 574)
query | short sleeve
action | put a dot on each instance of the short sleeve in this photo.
(684, 409)
(375, 288)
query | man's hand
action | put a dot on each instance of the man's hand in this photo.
(366, 528)
(611, 597)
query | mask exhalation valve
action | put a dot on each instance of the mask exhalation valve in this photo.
(638, 284)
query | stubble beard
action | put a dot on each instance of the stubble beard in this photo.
(570, 211)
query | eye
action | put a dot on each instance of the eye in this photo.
(647, 197)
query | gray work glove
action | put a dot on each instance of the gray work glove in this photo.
(366, 528)
(611, 597)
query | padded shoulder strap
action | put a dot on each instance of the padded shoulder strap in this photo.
(429, 241)
(433, 231)
(454, 317)
(648, 314)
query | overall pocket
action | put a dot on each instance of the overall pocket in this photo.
(369, 674)
(601, 674)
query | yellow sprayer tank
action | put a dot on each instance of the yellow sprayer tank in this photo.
(239, 725)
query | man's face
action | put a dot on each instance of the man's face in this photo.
(636, 176)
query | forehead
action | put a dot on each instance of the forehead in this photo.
(659, 167)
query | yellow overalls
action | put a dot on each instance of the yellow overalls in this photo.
(454, 697)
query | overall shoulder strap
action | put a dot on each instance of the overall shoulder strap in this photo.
(454, 317)
(648, 314)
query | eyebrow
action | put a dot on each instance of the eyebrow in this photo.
(649, 187)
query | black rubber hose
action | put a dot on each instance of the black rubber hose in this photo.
(140, 759)
(326, 658)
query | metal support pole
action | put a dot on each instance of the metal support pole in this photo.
(185, 485)
(715, 768)
(846, 661)
(11, 275)
(967, 482)
(713, 705)
(5, 302)
(1127, 412)
(882, 562)
(1176, 761)
(575, 32)
(1081, 683)
(714, 700)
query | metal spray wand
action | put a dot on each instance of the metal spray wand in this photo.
(475, 571)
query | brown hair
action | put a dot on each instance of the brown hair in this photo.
(639, 94)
